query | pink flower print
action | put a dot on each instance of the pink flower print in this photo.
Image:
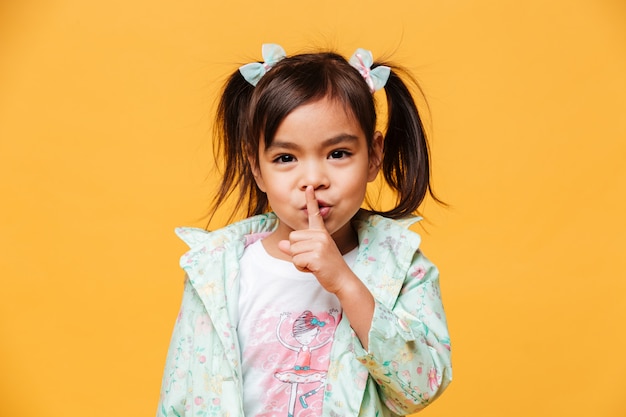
(418, 272)
(446, 343)
(198, 400)
(432, 379)
(406, 375)
(202, 359)
(361, 379)
(419, 370)
(369, 260)
(203, 324)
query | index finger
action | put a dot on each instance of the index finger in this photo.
(315, 217)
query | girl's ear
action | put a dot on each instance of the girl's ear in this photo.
(256, 172)
(375, 156)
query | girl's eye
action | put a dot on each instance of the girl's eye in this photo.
(339, 154)
(283, 159)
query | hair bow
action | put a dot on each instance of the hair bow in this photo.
(316, 322)
(253, 72)
(375, 78)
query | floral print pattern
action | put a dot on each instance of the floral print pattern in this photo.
(404, 368)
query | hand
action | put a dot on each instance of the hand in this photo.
(314, 250)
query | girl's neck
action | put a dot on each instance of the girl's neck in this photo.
(347, 240)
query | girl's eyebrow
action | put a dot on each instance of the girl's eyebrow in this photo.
(333, 141)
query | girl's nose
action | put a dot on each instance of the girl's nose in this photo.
(315, 175)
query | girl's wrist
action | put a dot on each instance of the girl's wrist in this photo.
(352, 288)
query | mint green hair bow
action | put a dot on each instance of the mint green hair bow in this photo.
(253, 72)
(317, 322)
(375, 78)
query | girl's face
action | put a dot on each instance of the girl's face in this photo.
(322, 145)
(305, 338)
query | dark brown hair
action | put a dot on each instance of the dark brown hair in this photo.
(247, 113)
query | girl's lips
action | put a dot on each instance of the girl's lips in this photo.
(324, 210)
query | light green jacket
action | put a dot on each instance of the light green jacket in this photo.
(405, 367)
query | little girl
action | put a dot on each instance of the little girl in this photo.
(312, 306)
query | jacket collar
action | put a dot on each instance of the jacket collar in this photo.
(389, 243)
(386, 248)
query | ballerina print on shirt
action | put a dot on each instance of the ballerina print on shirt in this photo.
(305, 330)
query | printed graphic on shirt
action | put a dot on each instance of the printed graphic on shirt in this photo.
(299, 356)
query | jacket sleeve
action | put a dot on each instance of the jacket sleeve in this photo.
(175, 394)
(409, 346)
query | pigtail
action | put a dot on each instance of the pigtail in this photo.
(406, 164)
(230, 132)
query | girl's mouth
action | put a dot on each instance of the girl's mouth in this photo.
(323, 209)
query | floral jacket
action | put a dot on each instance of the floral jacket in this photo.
(405, 367)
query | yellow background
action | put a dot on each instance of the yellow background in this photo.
(105, 148)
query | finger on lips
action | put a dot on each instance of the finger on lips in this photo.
(315, 218)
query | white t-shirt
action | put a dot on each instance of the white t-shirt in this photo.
(285, 328)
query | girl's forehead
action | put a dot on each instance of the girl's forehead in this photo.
(271, 120)
(319, 121)
(324, 108)
(330, 104)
